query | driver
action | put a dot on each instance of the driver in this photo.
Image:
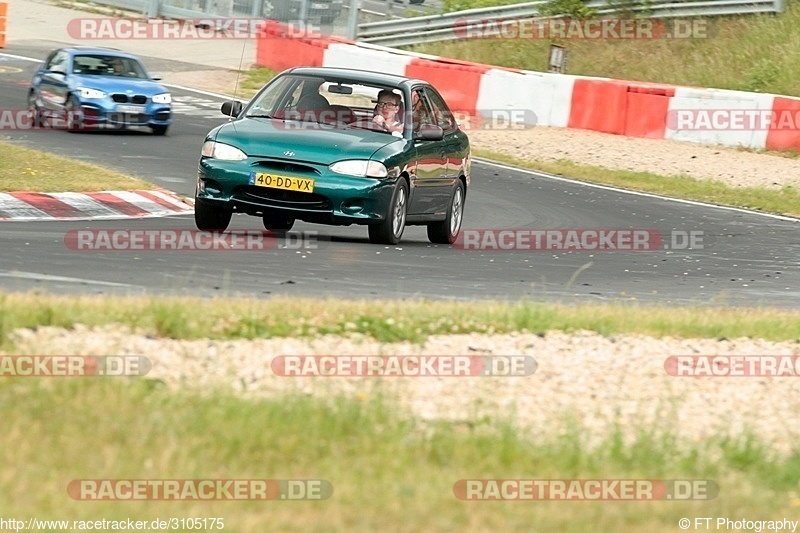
(388, 105)
(118, 67)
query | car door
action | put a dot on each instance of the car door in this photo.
(53, 82)
(454, 148)
(431, 165)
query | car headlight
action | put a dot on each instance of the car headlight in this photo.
(360, 167)
(225, 152)
(163, 98)
(86, 92)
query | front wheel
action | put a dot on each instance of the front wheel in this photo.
(210, 218)
(74, 116)
(33, 107)
(390, 230)
(277, 222)
(159, 130)
(446, 231)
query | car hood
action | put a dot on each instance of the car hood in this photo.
(263, 137)
(112, 84)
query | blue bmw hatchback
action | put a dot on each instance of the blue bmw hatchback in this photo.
(92, 87)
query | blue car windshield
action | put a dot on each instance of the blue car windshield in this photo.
(101, 65)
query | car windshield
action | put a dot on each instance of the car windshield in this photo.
(101, 65)
(331, 103)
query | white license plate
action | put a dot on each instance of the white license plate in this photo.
(130, 109)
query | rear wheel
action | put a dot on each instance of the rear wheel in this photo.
(274, 222)
(390, 230)
(210, 218)
(446, 231)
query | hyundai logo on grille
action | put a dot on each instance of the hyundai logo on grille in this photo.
(288, 153)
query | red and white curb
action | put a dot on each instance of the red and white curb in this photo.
(95, 205)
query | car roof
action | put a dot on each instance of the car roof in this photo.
(73, 50)
(362, 76)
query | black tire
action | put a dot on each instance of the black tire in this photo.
(159, 130)
(391, 229)
(446, 231)
(33, 106)
(74, 119)
(210, 218)
(276, 222)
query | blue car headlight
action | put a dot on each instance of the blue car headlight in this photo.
(163, 98)
(222, 151)
(360, 167)
(88, 93)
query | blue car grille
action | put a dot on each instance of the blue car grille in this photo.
(120, 98)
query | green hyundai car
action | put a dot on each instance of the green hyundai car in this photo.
(338, 147)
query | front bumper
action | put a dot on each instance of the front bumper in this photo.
(106, 112)
(336, 198)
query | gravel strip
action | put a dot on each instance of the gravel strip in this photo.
(605, 383)
(733, 167)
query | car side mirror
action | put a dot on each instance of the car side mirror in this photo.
(232, 109)
(429, 133)
(156, 77)
(58, 70)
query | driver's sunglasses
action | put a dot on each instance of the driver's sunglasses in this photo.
(387, 104)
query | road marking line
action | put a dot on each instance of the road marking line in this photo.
(635, 193)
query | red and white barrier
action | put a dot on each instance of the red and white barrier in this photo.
(634, 109)
(365, 58)
(719, 117)
(547, 95)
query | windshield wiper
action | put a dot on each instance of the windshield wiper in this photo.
(258, 115)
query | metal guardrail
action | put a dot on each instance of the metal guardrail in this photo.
(434, 28)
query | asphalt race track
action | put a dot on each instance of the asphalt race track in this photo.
(744, 259)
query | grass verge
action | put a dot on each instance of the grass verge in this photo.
(24, 169)
(385, 467)
(784, 201)
(729, 54)
(388, 321)
(253, 80)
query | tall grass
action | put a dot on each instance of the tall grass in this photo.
(749, 53)
(388, 471)
(388, 321)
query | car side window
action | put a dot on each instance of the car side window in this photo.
(58, 62)
(421, 111)
(444, 117)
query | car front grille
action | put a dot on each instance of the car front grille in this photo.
(120, 98)
(281, 198)
(286, 166)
